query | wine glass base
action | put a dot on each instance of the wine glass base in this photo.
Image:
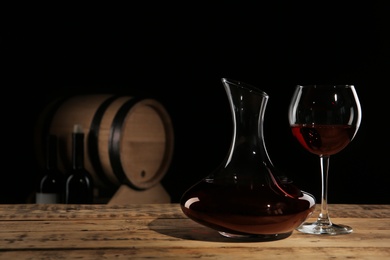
(324, 229)
(256, 237)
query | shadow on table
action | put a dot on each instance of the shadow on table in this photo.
(190, 230)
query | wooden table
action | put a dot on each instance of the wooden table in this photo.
(162, 231)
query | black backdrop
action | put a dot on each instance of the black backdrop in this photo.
(178, 55)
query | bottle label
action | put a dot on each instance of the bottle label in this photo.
(46, 198)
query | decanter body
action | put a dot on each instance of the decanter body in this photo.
(245, 197)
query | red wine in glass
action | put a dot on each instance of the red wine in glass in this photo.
(324, 119)
(323, 139)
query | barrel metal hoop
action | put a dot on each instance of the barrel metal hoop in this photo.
(93, 142)
(114, 142)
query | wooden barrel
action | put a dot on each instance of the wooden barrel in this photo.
(129, 140)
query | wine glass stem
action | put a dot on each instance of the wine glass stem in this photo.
(323, 217)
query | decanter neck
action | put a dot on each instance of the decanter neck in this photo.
(248, 106)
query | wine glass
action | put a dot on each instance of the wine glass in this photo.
(324, 119)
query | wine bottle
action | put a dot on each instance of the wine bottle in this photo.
(51, 186)
(79, 183)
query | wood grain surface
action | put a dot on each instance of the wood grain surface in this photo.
(162, 231)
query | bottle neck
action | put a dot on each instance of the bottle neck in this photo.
(78, 151)
(51, 152)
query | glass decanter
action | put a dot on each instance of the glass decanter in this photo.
(245, 197)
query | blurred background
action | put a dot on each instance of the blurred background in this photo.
(177, 54)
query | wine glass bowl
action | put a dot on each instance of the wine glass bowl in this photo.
(324, 119)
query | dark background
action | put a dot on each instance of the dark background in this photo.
(178, 53)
